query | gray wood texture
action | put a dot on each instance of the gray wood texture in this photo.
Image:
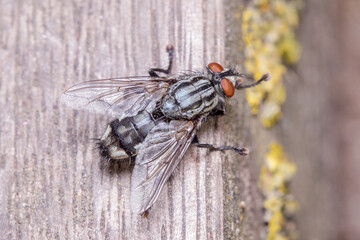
(309, 129)
(52, 186)
(348, 118)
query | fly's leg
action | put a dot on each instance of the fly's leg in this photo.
(241, 151)
(145, 214)
(219, 110)
(170, 51)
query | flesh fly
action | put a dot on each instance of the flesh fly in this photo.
(157, 119)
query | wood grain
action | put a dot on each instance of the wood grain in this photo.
(52, 183)
(308, 131)
(348, 117)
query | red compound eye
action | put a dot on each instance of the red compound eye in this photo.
(227, 87)
(215, 67)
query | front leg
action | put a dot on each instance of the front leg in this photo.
(170, 51)
(219, 110)
(242, 151)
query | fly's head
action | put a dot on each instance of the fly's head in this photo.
(226, 80)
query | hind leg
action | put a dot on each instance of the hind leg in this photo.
(241, 151)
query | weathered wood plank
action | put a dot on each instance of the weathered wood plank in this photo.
(52, 185)
(243, 214)
(308, 130)
(348, 117)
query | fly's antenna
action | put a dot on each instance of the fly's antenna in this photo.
(238, 85)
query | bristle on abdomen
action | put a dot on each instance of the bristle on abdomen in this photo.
(109, 146)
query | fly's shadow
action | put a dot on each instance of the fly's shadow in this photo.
(113, 167)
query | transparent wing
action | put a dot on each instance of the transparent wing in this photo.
(158, 157)
(119, 97)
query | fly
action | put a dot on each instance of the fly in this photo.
(157, 119)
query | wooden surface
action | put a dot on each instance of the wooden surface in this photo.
(243, 212)
(52, 183)
(348, 109)
(52, 186)
(308, 129)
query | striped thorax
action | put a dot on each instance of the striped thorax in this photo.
(189, 98)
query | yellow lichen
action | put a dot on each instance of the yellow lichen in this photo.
(275, 175)
(269, 43)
